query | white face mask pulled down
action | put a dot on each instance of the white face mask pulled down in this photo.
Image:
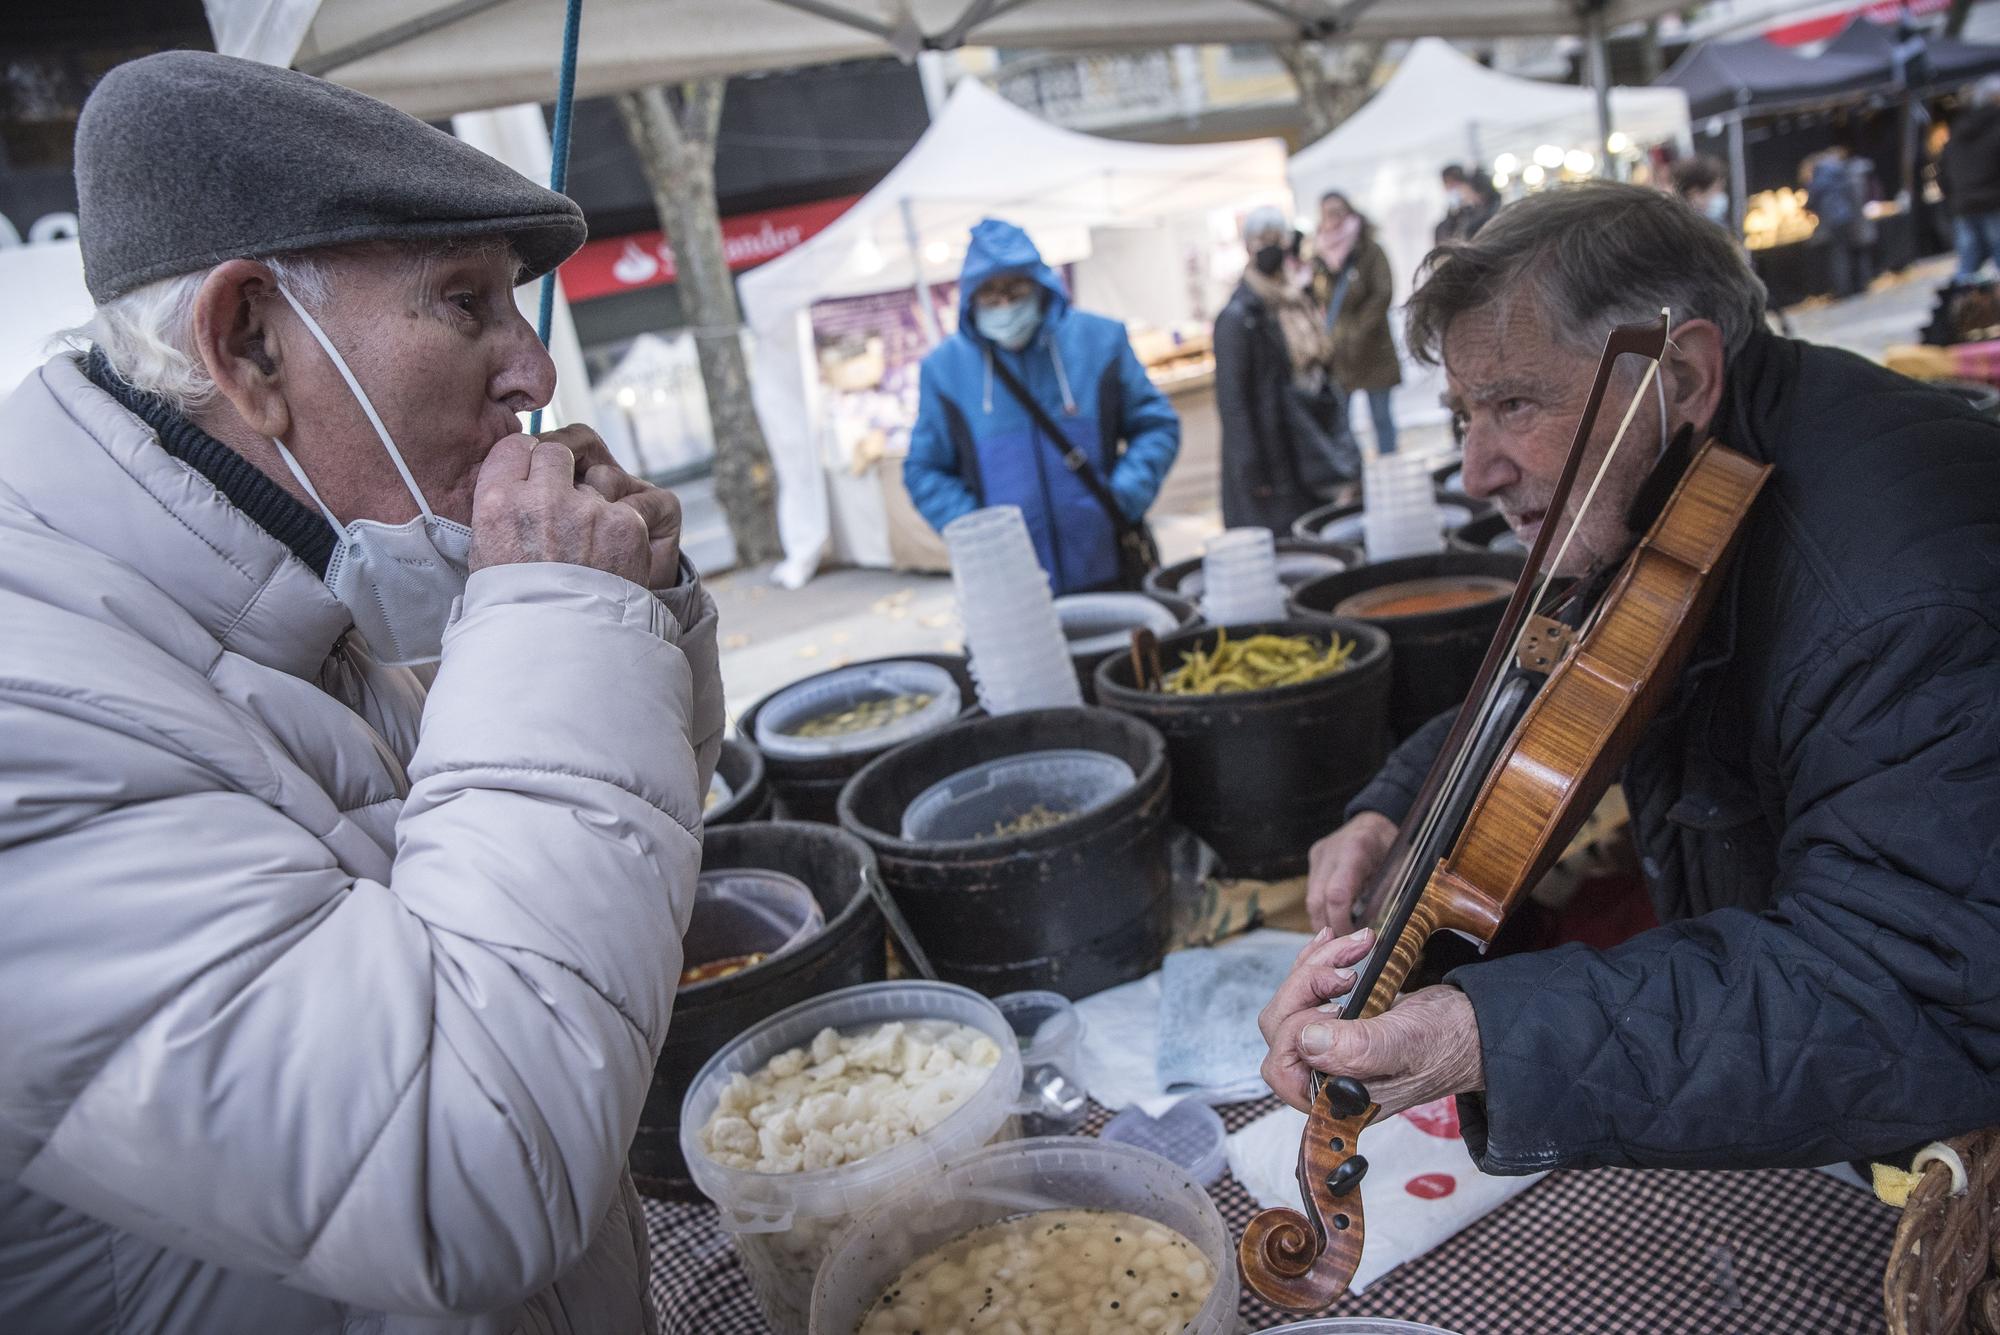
(398, 580)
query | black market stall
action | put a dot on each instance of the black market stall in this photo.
(1765, 109)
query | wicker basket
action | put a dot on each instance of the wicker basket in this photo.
(1944, 1269)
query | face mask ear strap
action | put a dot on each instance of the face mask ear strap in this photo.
(374, 419)
(306, 482)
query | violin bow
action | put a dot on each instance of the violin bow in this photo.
(1302, 1260)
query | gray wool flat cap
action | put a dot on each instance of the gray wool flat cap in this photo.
(185, 159)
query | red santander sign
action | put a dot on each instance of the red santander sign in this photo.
(644, 259)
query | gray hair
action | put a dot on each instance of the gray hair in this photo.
(148, 335)
(1265, 218)
(1588, 257)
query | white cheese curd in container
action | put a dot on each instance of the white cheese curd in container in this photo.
(1028, 1187)
(812, 1116)
(1054, 1272)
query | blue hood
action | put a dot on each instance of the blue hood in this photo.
(1001, 248)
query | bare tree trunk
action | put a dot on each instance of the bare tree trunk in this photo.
(676, 144)
(1333, 81)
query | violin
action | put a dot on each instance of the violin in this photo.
(1568, 684)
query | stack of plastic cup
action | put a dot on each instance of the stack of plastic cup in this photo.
(1399, 508)
(1020, 659)
(1239, 578)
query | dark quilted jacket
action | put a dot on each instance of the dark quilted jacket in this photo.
(1818, 813)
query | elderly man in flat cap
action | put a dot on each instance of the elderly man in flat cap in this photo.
(328, 1002)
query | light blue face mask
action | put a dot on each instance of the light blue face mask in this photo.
(1011, 325)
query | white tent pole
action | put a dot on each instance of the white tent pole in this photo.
(835, 14)
(1739, 172)
(394, 35)
(1599, 53)
(915, 241)
(937, 86)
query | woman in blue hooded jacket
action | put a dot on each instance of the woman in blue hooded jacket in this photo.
(975, 444)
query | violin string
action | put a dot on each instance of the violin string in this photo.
(1631, 410)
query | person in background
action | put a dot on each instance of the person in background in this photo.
(1273, 361)
(1704, 183)
(1970, 175)
(1470, 200)
(1837, 191)
(1352, 284)
(976, 443)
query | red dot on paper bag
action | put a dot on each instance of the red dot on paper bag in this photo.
(1431, 1186)
(1439, 1118)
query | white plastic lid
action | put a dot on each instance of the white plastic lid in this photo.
(1355, 1325)
(748, 911)
(845, 688)
(1347, 528)
(1102, 623)
(970, 803)
(1189, 1134)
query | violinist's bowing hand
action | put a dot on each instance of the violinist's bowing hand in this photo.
(1422, 1048)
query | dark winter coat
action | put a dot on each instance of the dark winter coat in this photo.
(1262, 485)
(1817, 810)
(1364, 351)
(1972, 163)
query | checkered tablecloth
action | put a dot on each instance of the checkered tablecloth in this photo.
(1609, 1252)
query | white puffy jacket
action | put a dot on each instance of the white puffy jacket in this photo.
(324, 1005)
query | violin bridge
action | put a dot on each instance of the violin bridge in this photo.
(1543, 643)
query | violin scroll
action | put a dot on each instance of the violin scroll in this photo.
(1302, 1264)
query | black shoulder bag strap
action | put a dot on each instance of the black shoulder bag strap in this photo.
(1138, 554)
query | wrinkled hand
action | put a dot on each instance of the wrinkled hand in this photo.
(1422, 1048)
(1341, 865)
(528, 506)
(660, 508)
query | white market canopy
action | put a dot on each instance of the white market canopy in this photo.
(982, 156)
(1386, 157)
(436, 57)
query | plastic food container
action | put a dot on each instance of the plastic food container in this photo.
(719, 793)
(833, 692)
(1348, 528)
(1355, 1325)
(748, 911)
(1050, 1033)
(1018, 657)
(785, 1223)
(1005, 1181)
(1294, 569)
(1189, 1134)
(1101, 623)
(972, 802)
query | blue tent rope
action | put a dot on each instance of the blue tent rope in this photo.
(559, 166)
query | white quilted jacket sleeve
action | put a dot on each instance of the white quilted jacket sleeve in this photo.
(412, 1094)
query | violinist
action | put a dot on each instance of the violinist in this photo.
(1816, 805)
